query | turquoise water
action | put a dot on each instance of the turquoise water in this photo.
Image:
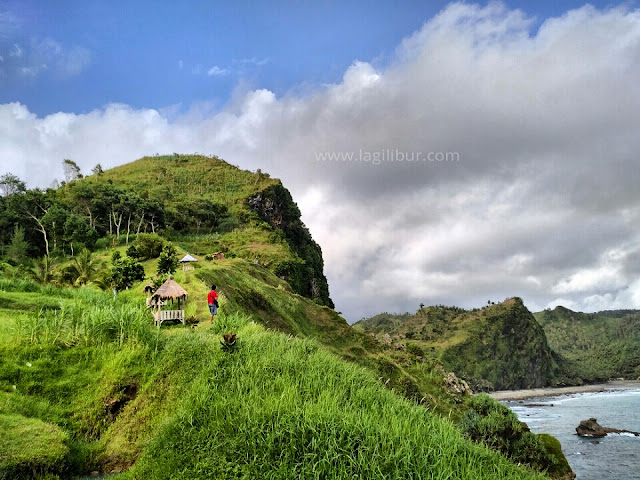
(616, 456)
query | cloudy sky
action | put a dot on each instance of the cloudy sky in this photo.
(440, 152)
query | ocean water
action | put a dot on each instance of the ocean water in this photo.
(616, 456)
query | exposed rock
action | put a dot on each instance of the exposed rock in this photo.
(386, 339)
(591, 428)
(457, 385)
(276, 207)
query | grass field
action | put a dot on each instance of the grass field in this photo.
(110, 392)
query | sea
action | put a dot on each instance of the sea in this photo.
(614, 457)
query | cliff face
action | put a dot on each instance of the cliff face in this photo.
(505, 349)
(493, 348)
(276, 207)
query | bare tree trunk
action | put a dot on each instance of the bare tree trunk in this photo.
(42, 230)
(92, 222)
(140, 223)
(117, 221)
(128, 229)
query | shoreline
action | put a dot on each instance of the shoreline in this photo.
(555, 391)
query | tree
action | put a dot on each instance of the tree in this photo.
(125, 272)
(18, 247)
(78, 233)
(10, 184)
(168, 260)
(71, 170)
(54, 221)
(148, 245)
(85, 268)
(97, 170)
(43, 270)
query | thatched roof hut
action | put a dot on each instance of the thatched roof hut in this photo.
(170, 290)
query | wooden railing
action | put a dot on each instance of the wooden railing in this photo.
(162, 315)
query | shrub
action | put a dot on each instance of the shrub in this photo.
(414, 349)
(132, 252)
(494, 424)
(148, 245)
(168, 260)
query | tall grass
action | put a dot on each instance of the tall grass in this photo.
(87, 325)
(282, 408)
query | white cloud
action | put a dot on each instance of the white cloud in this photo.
(543, 203)
(43, 55)
(217, 71)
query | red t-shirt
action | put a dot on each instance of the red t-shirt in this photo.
(213, 295)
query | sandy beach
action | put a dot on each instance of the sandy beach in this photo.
(551, 392)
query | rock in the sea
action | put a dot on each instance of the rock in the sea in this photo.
(591, 428)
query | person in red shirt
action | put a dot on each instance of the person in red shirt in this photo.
(212, 300)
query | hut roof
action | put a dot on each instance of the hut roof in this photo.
(188, 258)
(170, 290)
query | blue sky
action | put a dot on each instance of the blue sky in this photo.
(156, 54)
(539, 101)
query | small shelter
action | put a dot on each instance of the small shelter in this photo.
(173, 292)
(186, 261)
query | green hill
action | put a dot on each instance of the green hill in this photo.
(201, 203)
(597, 346)
(87, 383)
(496, 347)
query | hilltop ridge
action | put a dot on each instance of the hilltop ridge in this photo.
(495, 347)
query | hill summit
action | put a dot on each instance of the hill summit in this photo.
(496, 347)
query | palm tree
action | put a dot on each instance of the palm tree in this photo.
(84, 268)
(43, 270)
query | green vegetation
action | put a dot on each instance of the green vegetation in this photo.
(179, 405)
(478, 345)
(493, 424)
(202, 204)
(92, 385)
(595, 346)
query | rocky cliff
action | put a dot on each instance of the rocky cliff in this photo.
(276, 207)
(493, 348)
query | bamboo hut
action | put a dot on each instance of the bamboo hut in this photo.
(169, 291)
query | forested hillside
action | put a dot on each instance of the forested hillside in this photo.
(201, 203)
(496, 347)
(597, 346)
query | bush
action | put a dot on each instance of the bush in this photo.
(494, 424)
(168, 260)
(132, 252)
(148, 245)
(414, 349)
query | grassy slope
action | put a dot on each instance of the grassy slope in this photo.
(478, 345)
(186, 408)
(188, 176)
(599, 345)
(80, 386)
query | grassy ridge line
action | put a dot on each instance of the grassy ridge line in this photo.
(477, 344)
(282, 407)
(278, 405)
